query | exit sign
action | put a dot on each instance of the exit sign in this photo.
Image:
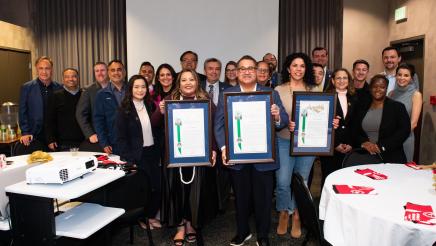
(401, 14)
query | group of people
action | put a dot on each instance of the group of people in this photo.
(127, 118)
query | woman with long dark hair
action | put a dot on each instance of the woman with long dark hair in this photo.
(406, 93)
(298, 72)
(230, 73)
(137, 138)
(164, 82)
(188, 205)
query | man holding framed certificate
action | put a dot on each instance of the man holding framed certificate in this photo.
(253, 175)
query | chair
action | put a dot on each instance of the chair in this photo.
(307, 210)
(360, 156)
(21, 149)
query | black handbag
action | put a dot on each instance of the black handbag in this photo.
(361, 156)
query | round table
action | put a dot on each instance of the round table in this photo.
(351, 219)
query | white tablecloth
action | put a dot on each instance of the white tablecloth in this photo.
(351, 219)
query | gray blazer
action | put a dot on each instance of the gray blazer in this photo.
(85, 109)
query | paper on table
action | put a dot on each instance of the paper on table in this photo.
(249, 127)
(188, 133)
(313, 124)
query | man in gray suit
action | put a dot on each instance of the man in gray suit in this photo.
(85, 106)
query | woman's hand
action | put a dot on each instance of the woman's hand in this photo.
(162, 107)
(336, 122)
(372, 148)
(343, 148)
(291, 126)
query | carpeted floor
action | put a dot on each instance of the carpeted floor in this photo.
(221, 230)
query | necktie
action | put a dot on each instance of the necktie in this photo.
(211, 92)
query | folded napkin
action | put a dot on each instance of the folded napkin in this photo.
(371, 174)
(421, 214)
(102, 157)
(353, 189)
(413, 165)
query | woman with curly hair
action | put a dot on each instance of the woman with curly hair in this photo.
(298, 72)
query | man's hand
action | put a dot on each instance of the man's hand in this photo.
(275, 112)
(336, 122)
(93, 138)
(213, 158)
(108, 150)
(224, 157)
(26, 139)
(53, 146)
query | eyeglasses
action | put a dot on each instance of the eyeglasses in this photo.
(244, 69)
(230, 70)
(264, 70)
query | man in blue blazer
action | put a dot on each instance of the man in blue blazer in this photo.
(33, 102)
(251, 180)
(320, 56)
(107, 101)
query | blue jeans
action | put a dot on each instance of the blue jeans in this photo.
(288, 166)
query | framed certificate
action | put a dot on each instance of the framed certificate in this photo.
(249, 127)
(188, 131)
(313, 114)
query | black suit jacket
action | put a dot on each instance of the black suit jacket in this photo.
(343, 134)
(129, 133)
(394, 130)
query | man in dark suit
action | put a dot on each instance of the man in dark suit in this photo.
(276, 77)
(215, 88)
(320, 55)
(189, 60)
(251, 180)
(85, 107)
(33, 102)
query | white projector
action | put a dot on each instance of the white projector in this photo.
(61, 170)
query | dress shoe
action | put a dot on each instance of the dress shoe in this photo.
(240, 240)
(282, 227)
(262, 242)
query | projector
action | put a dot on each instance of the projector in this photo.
(61, 170)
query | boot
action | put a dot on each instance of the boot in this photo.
(282, 227)
(296, 225)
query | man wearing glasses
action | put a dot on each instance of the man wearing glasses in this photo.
(250, 180)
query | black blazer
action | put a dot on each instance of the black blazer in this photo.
(394, 130)
(343, 132)
(129, 133)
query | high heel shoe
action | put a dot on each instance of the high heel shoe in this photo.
(296, 225)
(282, 227)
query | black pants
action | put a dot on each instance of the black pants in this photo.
(150, 164)
(249, 182)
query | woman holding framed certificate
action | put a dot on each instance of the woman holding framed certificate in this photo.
(297, 71)
(137, 139)
(190, 198)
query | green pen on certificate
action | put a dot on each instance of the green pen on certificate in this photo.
(238, 118)
(179, 141)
